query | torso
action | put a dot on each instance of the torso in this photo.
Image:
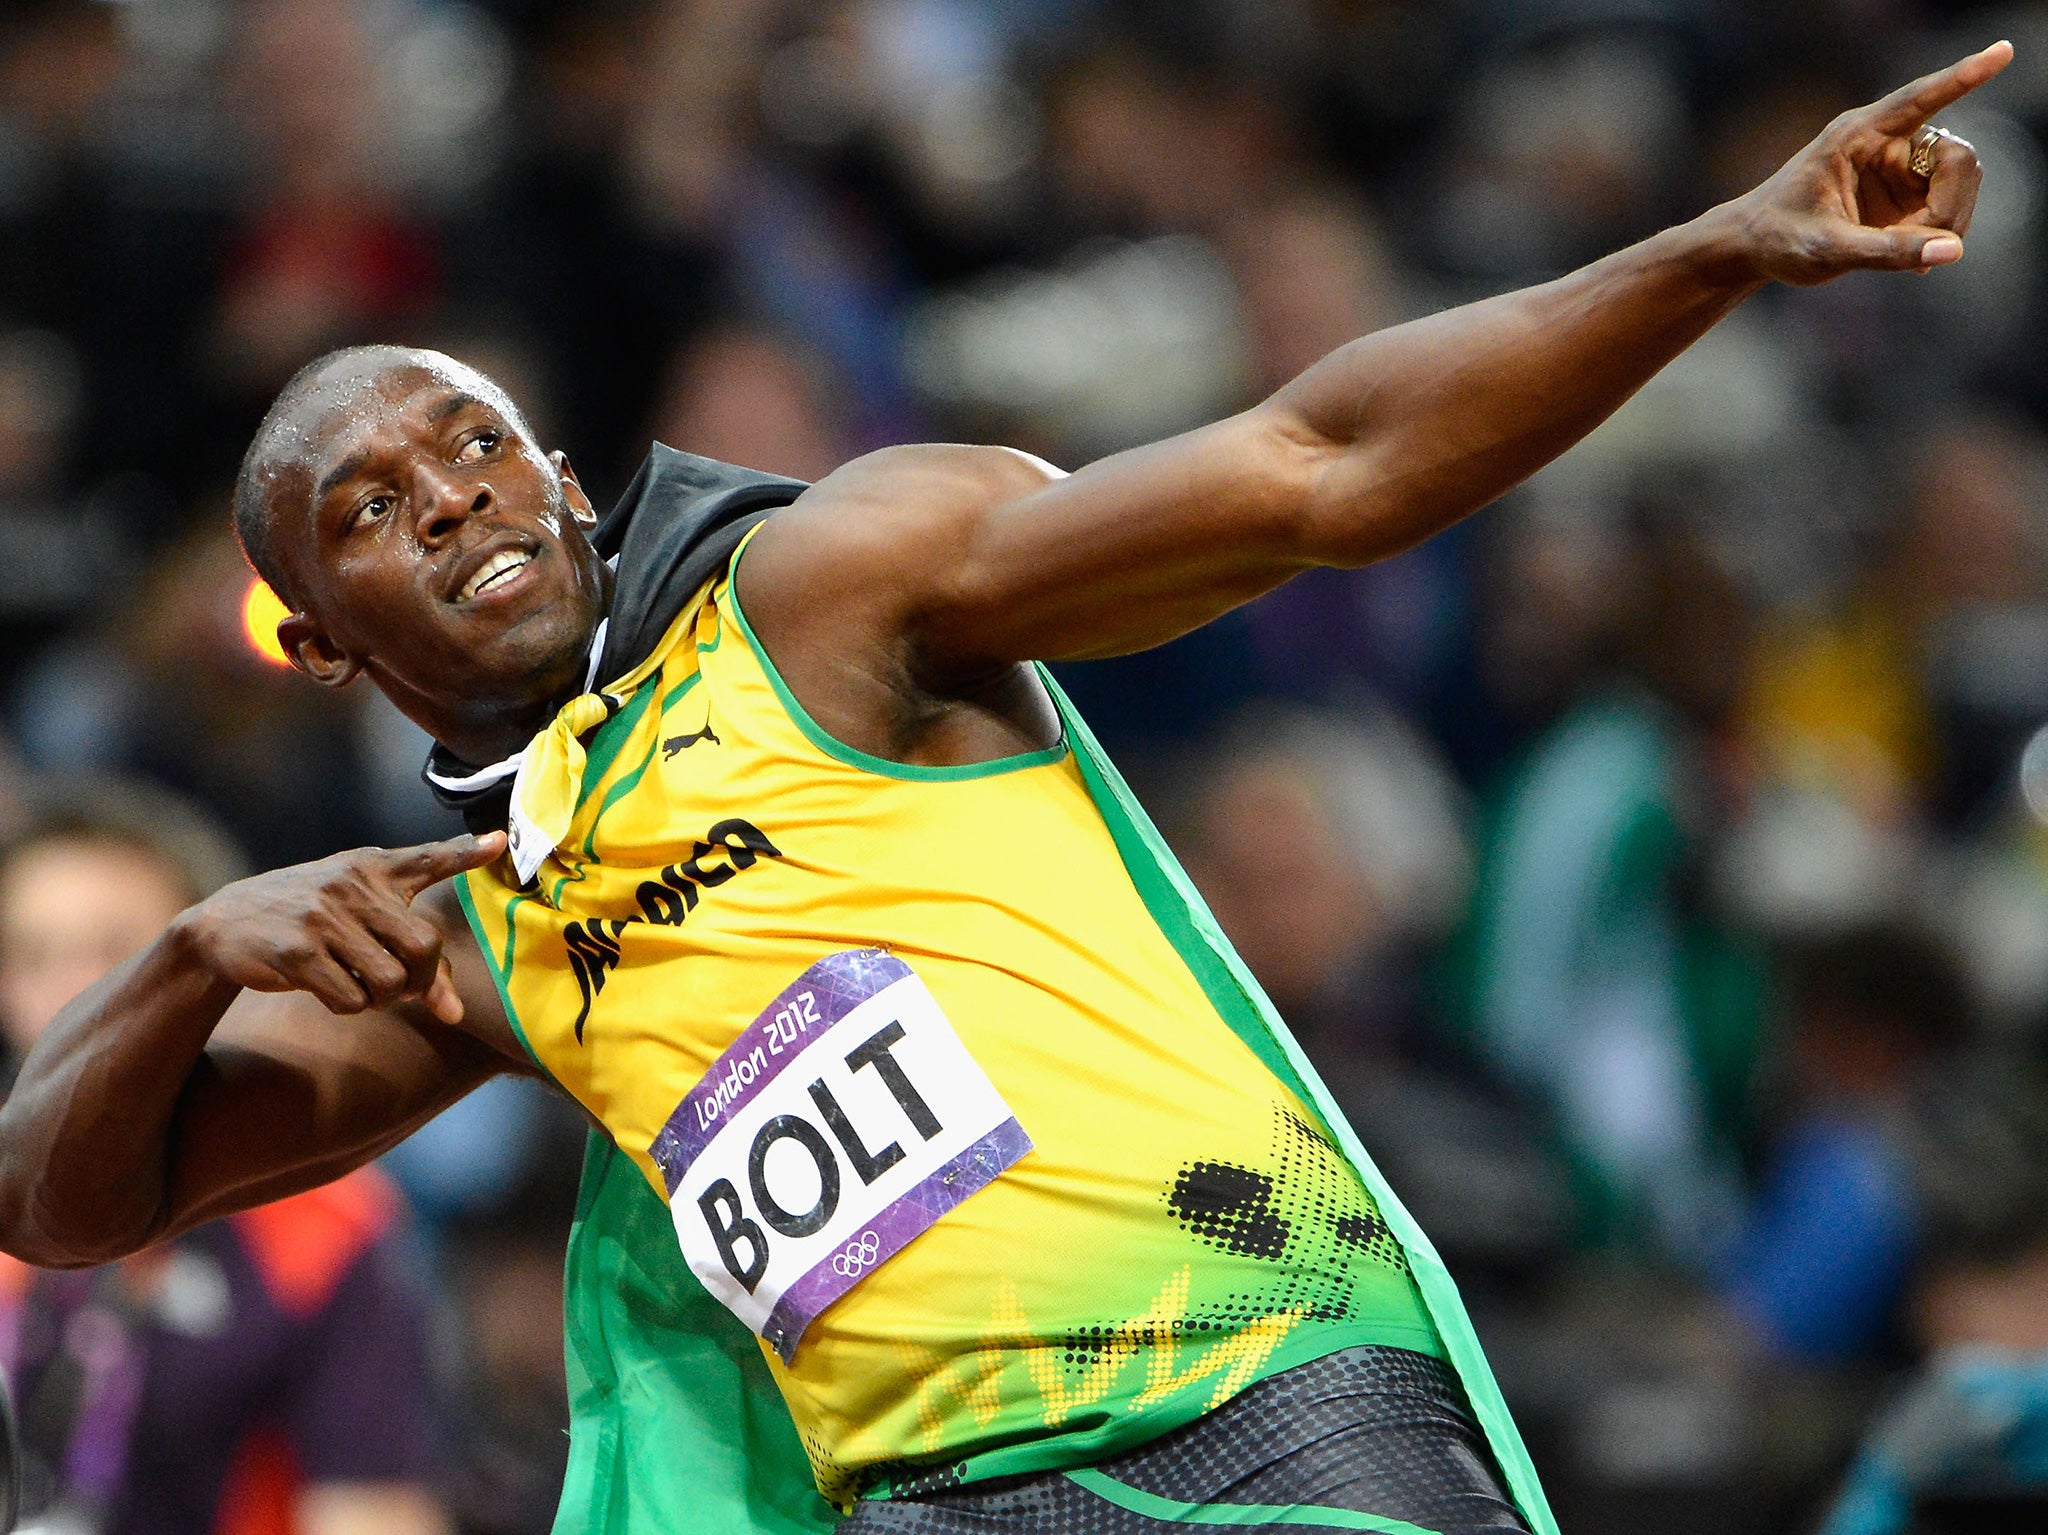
(1150, 1219)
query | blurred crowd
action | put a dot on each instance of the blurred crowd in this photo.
(1656, 866)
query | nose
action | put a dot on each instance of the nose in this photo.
(446, 503)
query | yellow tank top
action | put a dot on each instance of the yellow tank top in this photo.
(941, 1111)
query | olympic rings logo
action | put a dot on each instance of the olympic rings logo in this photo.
(857, 1256)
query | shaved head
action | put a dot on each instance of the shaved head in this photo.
(397, 502)
(318, 396)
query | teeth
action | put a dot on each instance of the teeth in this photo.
(497, 568)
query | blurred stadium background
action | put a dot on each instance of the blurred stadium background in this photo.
(1657, 865)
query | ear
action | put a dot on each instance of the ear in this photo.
(579, 503)
(308, 648)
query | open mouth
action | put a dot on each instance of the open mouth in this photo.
(497, 572)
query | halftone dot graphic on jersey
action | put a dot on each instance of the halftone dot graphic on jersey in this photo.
(1305, 1207)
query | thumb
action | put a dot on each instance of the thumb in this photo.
(415, 868)
(1900, 248)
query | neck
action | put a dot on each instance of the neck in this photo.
(483, 741)
(482, 732)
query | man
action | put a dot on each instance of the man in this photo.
(263, 1373)
(1049, 1228)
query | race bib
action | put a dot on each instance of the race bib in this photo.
(844, 1121)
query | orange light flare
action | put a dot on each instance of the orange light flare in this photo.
(261, 611)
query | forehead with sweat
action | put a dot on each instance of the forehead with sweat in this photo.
(273, 491)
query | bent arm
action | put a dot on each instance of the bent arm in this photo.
(163, 1097)
(167, 1094)
(975, 560)
(287, 1097)
(1381, 444)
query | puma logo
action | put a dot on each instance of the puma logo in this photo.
(675, 744)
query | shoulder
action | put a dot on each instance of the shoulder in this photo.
(897, 495)
(840, 587)
(945, 471)
(877, 530)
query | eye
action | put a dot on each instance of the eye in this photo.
(482, 445)
(372, 510)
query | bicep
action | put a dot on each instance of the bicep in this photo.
(974, 566)
(1130, 551)
(288, 1096)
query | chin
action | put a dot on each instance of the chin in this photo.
(539, 659)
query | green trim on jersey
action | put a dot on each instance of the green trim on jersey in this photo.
(853, 756)
(1186, 920)
(609, 740)
(501, 973)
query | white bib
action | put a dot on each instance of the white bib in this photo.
(843, 1121)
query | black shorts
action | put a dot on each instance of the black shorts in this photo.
(1365, 1439)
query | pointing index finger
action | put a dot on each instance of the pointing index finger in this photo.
(1912, 105)
(415, 868)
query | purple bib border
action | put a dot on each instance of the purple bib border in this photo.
(839, 983)
(910, 1214)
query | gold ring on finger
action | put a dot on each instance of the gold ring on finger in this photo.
(1921, 160)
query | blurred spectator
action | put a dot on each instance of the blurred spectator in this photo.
(1141, 142)
(264, 1373)
(61, 65)
(1332, 849)
(1919, 690)
(325, 255)
(39, 401)
(1965, 1445)
(1972, 582)
(1596, 981)
(1313, 270)
(1818, 1268)
(1562, 152)
(1125, 343)
(503, 1269)
(747, 395)
(1991, 902)
(56, 554)
(175, 689)
(60, 62)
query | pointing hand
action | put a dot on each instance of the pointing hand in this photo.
(342, 929)
(1854, 199)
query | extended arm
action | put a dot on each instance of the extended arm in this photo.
(1381, 444)
(173, 1091)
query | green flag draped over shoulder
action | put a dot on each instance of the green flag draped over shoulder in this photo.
(678, 1428)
